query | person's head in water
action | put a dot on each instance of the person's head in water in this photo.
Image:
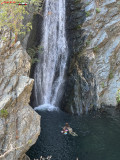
(67, 125)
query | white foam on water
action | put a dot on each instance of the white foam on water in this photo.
(46, 107)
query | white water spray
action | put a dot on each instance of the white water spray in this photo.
(50, 71)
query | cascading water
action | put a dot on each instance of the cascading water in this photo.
(50, 70)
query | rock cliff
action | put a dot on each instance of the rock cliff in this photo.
(93, 74)
(19, 124)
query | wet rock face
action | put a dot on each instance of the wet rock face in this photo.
(19, 124)
(93, 68)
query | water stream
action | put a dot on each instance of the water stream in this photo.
(50, 71)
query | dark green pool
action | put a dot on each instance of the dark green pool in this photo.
(98, 137)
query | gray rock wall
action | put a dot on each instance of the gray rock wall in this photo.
(105, 48)
(93, 74)
(20, 127)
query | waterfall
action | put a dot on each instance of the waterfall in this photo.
(49, 73)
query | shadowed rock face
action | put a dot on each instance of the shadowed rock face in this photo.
(21, 127)
(80, 91)
(34, 40)
(93, 77)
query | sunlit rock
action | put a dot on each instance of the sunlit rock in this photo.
(19, 123)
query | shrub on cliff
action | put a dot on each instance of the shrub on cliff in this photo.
(12, 14)
(118, 96)
(3, 113)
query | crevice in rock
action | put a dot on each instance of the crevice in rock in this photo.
(33, 42)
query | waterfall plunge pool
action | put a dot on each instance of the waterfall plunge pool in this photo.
(98, 137)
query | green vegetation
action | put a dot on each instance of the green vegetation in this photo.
(118, 96)
(87, 13)
(97, 10)
(12, 15)
(110, 75)
(30, 141)
(77, 1)
(3, 113)
(32, 53)
(87, 42)
(96, 49)
(102, 85)
(87, 3)
(79, 26)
